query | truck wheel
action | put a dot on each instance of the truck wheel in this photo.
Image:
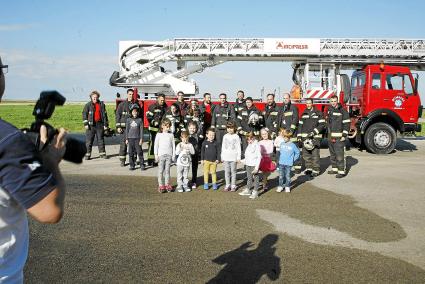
(380, 138)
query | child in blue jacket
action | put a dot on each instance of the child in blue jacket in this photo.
(289, 153)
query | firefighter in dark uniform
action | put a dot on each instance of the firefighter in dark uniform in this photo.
(95, 120)
(271, 116)
(289, 121)
(249, 119)
(121, 115)
(240, 102)
(177, 123)
(182, 105)
(310, 129)
(223, 113)
(154, 116)
(338, 127)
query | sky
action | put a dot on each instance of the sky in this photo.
(72, 46)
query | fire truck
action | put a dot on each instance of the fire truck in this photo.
(381, 95)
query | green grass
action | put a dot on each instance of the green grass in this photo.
(422, 133)
(67, 116)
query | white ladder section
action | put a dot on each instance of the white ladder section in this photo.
(140, 61)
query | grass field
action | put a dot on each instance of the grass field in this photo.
(67, 116)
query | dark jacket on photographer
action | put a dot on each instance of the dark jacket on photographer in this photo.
(154, 116)
(311, 125)
(95, 113)
(249, 120)
(271, 119)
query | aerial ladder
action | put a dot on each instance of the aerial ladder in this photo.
(317, 63)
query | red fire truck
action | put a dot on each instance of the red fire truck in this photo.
(381, 95)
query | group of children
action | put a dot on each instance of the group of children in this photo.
(257, 158)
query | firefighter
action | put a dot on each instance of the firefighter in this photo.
(249, 119)
(95, 120)
(289, 121)
(223, 113)
(338, 127)
(182, 105)
(311, 126)
(154, 116)
(177, 124)
(121, 115)
(271, 116)
(240, 102)
(207, 109)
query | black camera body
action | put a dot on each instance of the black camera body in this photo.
(43, 109)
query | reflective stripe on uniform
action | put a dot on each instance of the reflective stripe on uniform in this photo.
(337, 113)
(315, 130)
(346, 121)
(301, 122)
(321, 121)
(336, 134)
(289, 113)
(345, 132)
(293, 126)
(153, 128)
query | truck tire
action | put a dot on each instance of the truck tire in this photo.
(380, 138)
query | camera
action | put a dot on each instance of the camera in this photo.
(43, 109)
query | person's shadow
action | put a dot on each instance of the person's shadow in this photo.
(248, 266)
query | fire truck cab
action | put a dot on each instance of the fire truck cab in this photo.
(383, 100)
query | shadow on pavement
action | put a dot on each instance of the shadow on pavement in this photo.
(248, 266)
(405, 146)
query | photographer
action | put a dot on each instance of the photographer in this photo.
(30, 181)
(95, 120)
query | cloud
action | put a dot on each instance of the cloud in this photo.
(16, 27)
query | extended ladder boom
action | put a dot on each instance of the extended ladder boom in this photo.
(140, 61)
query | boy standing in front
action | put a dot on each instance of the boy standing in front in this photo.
(209, 158)
(134, 137)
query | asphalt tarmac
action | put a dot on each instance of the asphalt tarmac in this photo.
(368, 227)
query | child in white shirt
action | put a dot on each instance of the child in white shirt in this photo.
(164, 151)
(184, 150)
(252, 163)
(230, 155)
